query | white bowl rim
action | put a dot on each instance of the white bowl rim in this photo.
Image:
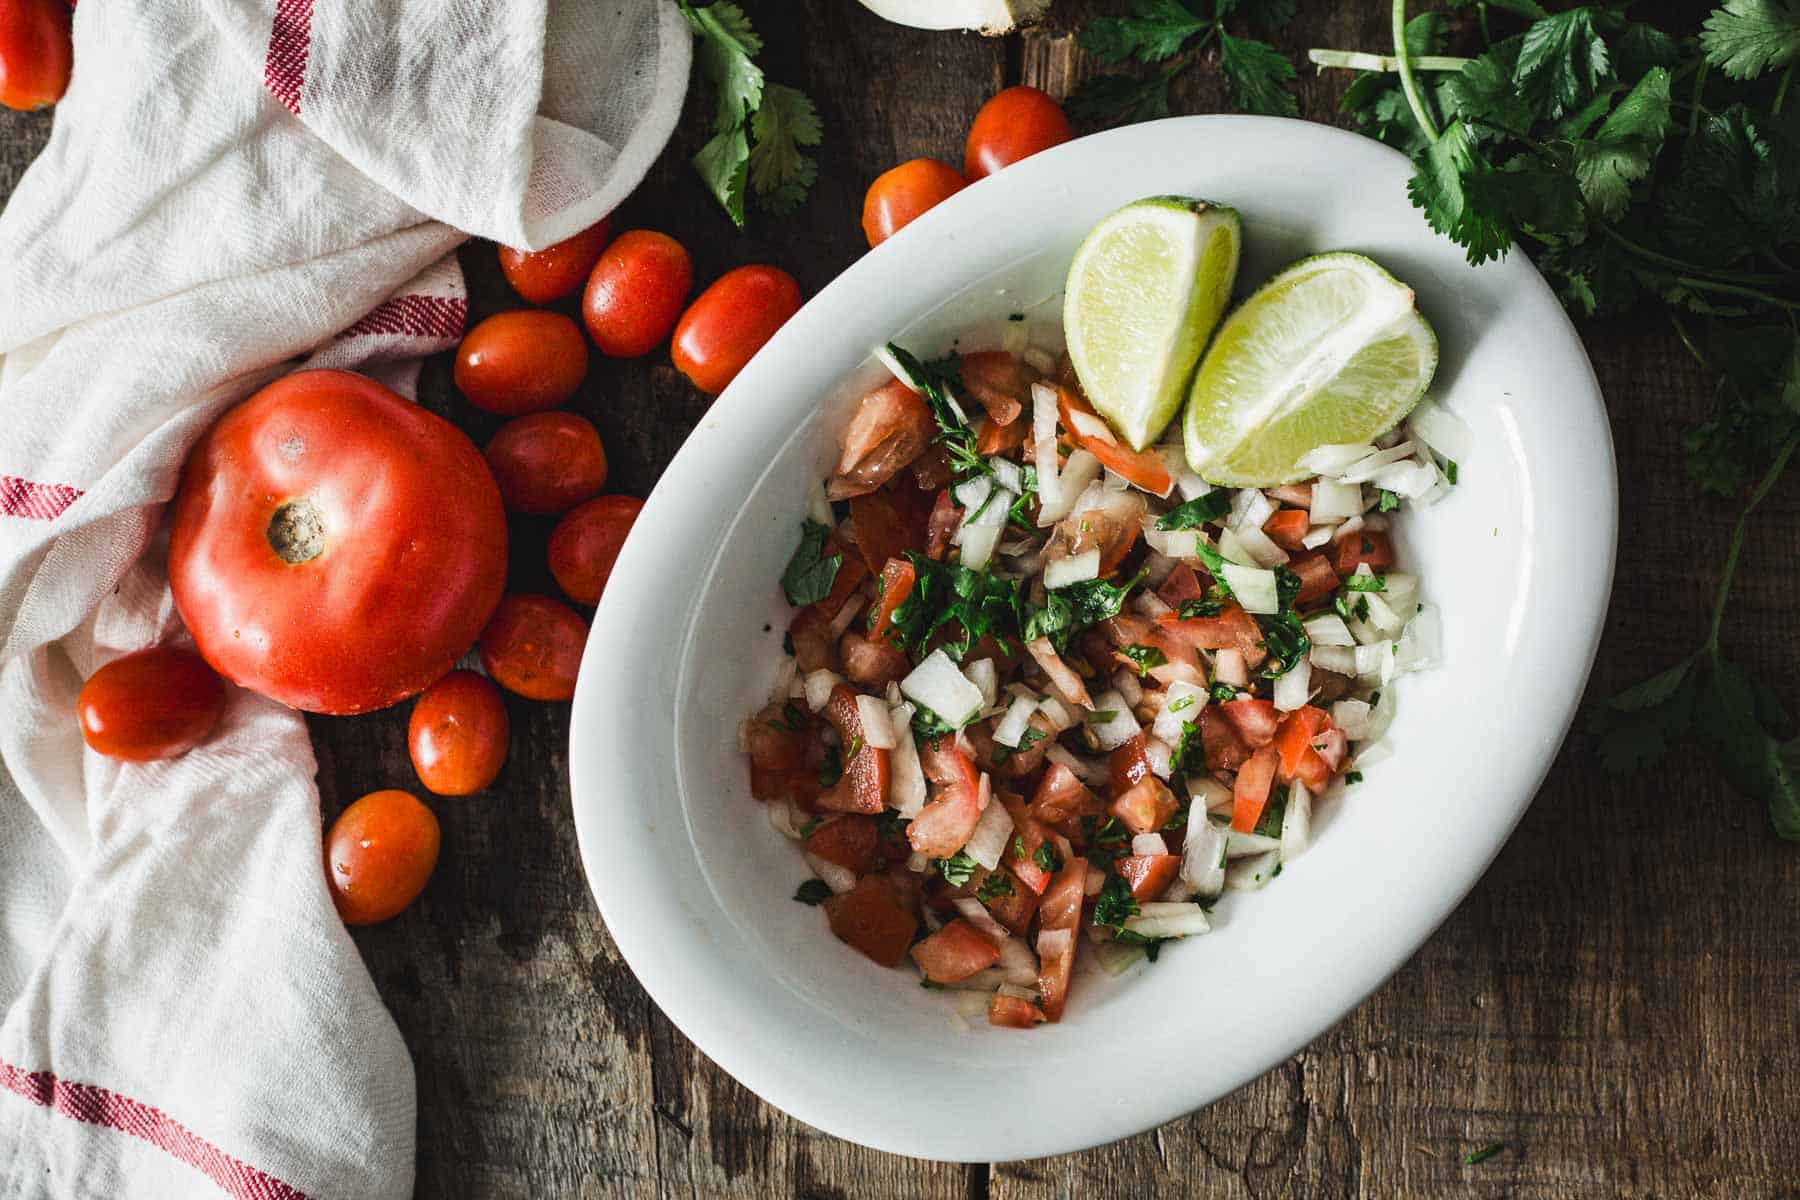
(669, 944)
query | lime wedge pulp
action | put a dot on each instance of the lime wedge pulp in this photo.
(1145, 290)
(1330, 351)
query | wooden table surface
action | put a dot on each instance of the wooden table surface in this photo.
(1616, 1000)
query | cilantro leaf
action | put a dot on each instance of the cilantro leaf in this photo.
(1561, 60)
(810, 574)
(780, 172)
(1068, 610)
(1744, 38)
(1115, 905)
(1155, 30)
(725, 54)
(1286, 640)
(1738, 190)
(1440, 187)
(1196, 512)
(994, 886)
(1144, 658)
(944, 594)
(1117, 99)
(933, 380)
(723, 164)
(1255, 73)
(1634, 728)
(1726, 721)
(958, 869)
(1621, 152)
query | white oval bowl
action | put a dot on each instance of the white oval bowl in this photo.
(697, 888)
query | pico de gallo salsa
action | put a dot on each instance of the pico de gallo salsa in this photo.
(1047, 692)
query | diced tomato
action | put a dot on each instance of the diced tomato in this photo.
(864, 785)
(1331, 745)
(1254, 781)
(955, 952)
(897, 579)
(1366, 546)
(851, 841)
(1225, 750)
(992, 438)
(1001, 382)
(1317, 579)
(776, 737)
(1293, 739)
(932, 469)
(1313, 772)
(1129, 765)
(945, 517)
(1060, 911)
(889, 522)
(891, 428)
(871, 664)
(1015, 907)
(1028, 836)
(1179, 586)
(1146, 806)
(944, 825)
(1148, 875)
(810, 632)
(1255, 720)
(1300, 495)
(1010, 1012)
(850, 576)
(1112, 527)
(871, 918)
(1232, 629)
(1142, 468)
(1061, 800)
(1287, 527)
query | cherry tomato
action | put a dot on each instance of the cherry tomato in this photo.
(521, 361)
(1015, 124)
(36, 52)
(586, 543)
(378, 855)
(541, 276)
(730, 322)
(533, 646)
(458, 734)
(334, 546)
(547, 463)
(156, 703)
(899, 196)
(636, 292)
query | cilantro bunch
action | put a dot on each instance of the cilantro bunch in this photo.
(1171, 35)
(761, 130)
(1645, 170)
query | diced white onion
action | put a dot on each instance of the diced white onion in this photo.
(818, 687)
(971, 494)
(1017, 720)
(992, 832)
(1078, 473)
(1364, 470)
(1014, 337)
(1372, 658)
(1409, 479)
(1149, 843)
(877, 723)
(1189, 920)
(1328, 629)
(1382, 618)
(1112, 481)
(1249, 509)
(1017, 961)
(1293, 687)
(1054, 943)
(1171, 543)
(1232, 548)
(1420, 646)
(1161, 757)
(1252, 874)
(1373, 754)
(1328, 460)
(1260, 546)
(1120, 728)
(1401, 592)
(781, 819)
(1041, 360)
(1125, 682)
(1074, 569)
(1150, 604)
(1203, 861)
(1381, 716)
(1238, 845)
(938, 685)
(817, 506)
(1191, 486)
(1008, 474)
(1043, 441)
(1340, 660)
(984, 676)
(838, 879)
(1182, 703)
(978, 543)
(1296, 821)
(1089, 771)
(1088, 427)
(1254, 588)
(1333, 501)
(1062, 678)
(886, 358)
(1215, 794)
(1115, 958)
(976, 914)
(1440, 430)
(1317, 536)
(1018, 991)
(1058, 714)
(906, 777)
(1229, 669)
(1352, 716)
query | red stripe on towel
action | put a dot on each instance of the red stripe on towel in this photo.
(96, 1106)
(438, 317)
(37, 501)
(290, 38)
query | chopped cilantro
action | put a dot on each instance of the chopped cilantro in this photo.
(1286, 640)
(1114, 906)
(813, 891)
(810, 574)
(1450, 470)
(1353, 777)
(975, 603)
(1365, 583)
(1224, 693)
(1389, 501)
(1181, 703)
(928, 726)
(1071, 609)
(1269, 824)
(1483, 1154)
(807, 829)
(958, 869)
(993, 887)
(1045, 857)
(1101, 716)
(1144, 658)
(1194, 610)
(1030, 738)
(1196, 512)
(933, 380)
(1187, 747)
(1130, 937)
(1287, 586)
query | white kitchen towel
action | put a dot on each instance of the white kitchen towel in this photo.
(232, 188)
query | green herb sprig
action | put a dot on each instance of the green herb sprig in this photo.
(1171, 35)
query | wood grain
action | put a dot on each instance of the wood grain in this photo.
(1615, 1001)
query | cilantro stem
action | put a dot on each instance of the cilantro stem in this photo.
(1737, 537)
(1781, 88)
(1358, 60)
(1685, 267)
(1699, 91)
(1732, 289)
(1403, 62)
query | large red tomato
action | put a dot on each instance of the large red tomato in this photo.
(335, 547)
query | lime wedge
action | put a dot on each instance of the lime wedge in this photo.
(1145, 290)
(1329, 351)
